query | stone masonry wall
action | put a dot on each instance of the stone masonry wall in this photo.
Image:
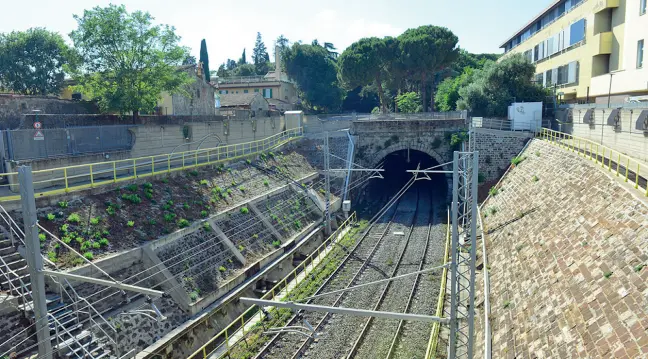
(13, 107)
(566, 248)
(496, 148)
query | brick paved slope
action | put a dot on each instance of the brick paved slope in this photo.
(566, 273)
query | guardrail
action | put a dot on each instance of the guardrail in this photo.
(79, 177)
(221, 341)
(623, 165)
(436, 326)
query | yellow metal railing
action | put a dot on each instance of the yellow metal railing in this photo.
(436, 326)
(79, 177)
(621, 164)
(223, 340)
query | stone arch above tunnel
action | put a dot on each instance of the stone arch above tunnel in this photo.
(374, 159)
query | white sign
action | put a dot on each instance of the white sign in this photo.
(39, 136)
(38, 125)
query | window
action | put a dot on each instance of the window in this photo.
(640, 53)
(577, 32)
(267, 93)
(256, 90)
(226, 91)
(245, 91)
(642, 7)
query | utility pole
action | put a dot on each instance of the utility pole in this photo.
(35, 261)
(327, 177)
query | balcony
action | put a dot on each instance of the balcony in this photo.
(605, 4)
(603, 43)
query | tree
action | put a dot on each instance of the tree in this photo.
(222, 71)
(316, 76)
(260, 56)
(499, 84)
(409, 102)
(367, 62)
(244, 70)
(31, 62)
(127, 61)
(204, 58)
(447, 93)
(282, 42)
(475, 61)
(189, 60)
(425, 51)
(242, 60)
(231, 64)
(330, 49)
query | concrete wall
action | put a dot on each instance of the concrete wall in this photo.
(625, 138)
(496, 148)
(13, 107)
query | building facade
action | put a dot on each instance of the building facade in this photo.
(588, 50)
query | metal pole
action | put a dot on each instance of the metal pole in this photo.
(610, 89)
(454, 249)
(350, 150)
(328, 183)
(473, 250)
(35, 261)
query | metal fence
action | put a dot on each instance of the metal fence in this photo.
(59, 142)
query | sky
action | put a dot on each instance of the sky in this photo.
(230, 26)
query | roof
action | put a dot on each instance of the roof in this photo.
(532, 21)
(234, 100)
(276, 101)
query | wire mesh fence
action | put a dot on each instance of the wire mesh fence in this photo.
(57, 142)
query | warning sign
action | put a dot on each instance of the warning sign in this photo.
(38, 125)
(39, 136)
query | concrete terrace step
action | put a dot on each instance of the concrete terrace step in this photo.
(16, 263)
(7, 250)
(13, 257)
(4, 243)
(4, 283)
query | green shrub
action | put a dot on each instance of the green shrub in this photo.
(242, 189)
(132, 187)
(493, 191)
(233, 183)
(241, 247)
(74, 218)
(51, 216)
(222, 269)
(51, 255)
(507, 304)
(248, 161)
(185, 206)
(94, 220)
(152, 221)
(517, 160)
(244, 210)
(204, 182)
(63, 204)
(193, 173)
(103, 242)
(207, 227)
(148, 194)
(111, 210)
(297, 224)
(276, 243)
(255, 236)
(130, 223)
(133, 198)
(204, 213)
(66, 239)
(535, 178)
(607, 274)
(229, 192)
(639, 267)
(96, 245)
(165, 180)
(148, 185)
(217, 190)
(42, 237)
(193, 296)
(537, 153)
(88, 255)
(265, 183)
(169, 217)
(182, 223)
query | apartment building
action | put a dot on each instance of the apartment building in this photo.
(588, 50)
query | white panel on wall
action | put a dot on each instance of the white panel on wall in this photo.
(566, 40)
(572, 72)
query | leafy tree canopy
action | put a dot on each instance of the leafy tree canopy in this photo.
(31, 62)
(367, 62)
(244, 70)
(127, 61)
(499, 84)
(424, 51)
(243, 59)
(447, 93)
(315, 73)
(409, 102)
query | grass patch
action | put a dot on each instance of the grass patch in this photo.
(74, 218)
(244, 210)
(535, 178)
(608, 274)
(51, 216)
(639, 267)
(515, 161)
(507, 304)
(493, 191)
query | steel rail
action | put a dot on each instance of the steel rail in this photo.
(383, 294)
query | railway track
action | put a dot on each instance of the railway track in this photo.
(284, 345)
(381, 253)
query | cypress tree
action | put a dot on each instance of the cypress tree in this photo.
(204, 58)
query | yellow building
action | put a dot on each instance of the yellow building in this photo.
(582, 48)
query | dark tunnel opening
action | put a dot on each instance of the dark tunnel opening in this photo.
(396, 164)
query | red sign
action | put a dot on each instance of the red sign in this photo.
(39, 136)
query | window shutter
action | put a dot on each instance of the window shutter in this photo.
(270, 94)
(571, 77)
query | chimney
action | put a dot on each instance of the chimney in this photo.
(278, 65)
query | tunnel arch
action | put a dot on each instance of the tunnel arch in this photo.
(375, 159)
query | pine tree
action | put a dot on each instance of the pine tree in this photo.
(260, 56)
(204, 58)
(242, 60)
